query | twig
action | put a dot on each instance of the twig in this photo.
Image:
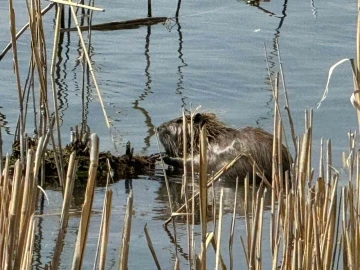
(68, 3)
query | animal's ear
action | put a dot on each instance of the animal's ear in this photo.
(198, 119)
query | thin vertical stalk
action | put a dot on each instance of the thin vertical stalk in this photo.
(124, 251)
(203, 195)
(87, 206)
(14, 217)
(69, 186)
(152, 250)
(55, 94)
(17, 74)
(1, 153)
(90, 65)
(218, 242)
(232, 228)
(25, 207)
(105, 229)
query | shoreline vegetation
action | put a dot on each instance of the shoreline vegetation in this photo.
(314, 222)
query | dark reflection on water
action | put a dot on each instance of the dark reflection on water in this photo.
(178, 249)
(256, 3)
(179, 85)
(38, 246)
(314, 9)
(272, 58)
(3, 123)
(61, 75)
(128, 185)
(180, 88)
(147, 91)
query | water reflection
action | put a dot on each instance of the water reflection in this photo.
(3, 123)
(272, 57)
(213, 196)
(38, 247)
(150, 206)
(228, 203)
(314, 9)
(256, 3)
(147, 89)
(61, 75)
(180, 88)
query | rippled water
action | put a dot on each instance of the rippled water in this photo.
(213, 56)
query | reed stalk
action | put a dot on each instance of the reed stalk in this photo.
(105, 229)
(203, 195)
(70, 4)
(287, 105)
(69, 186)
(125, 242)
(14, 217)
(211, 239)
(55, 95)
(87, 206)
(1, 153)
(104, 224)
(209, 183)
(357, 76)
(151, 247)
(5, 198)
(86, 54)
(28, 191)
(232, 228)
(185, 189)
(17, 76)
(275, 157)
(165, 177)
(29, 247)
(219, 230)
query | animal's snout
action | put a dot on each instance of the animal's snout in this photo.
(162, 128)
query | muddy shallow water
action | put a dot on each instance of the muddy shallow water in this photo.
(213, 56)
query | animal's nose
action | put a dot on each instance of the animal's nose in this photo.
(162, 127)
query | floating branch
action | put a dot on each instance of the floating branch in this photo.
(130, 24)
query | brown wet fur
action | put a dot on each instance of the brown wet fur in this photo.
(224, 144)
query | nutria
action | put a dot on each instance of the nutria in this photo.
(224, 144)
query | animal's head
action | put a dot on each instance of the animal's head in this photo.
(171, 132)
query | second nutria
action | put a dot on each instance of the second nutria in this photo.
(224, 144)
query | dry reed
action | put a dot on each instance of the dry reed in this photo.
(124, 251)
(87, 206)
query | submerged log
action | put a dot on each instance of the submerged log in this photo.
(121, 25)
